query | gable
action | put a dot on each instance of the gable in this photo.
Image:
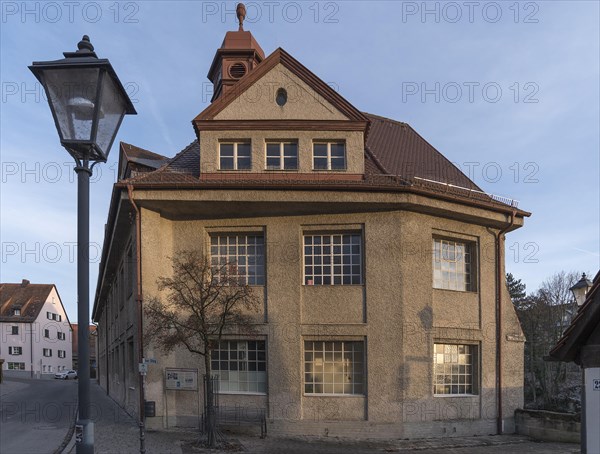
(294, 67)
(257, 102)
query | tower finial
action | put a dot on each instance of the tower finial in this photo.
(85, 45)
(241, 15)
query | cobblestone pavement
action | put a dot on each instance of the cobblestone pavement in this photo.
(117, 433)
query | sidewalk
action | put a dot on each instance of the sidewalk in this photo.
(117, 433)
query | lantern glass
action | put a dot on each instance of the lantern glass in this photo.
(72, 96)
(112, 110)
(579, 294)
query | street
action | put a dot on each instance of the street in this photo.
(35, 415)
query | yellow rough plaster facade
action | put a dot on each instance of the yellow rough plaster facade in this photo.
(395, 312)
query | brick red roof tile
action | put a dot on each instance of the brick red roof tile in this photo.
(28, 298)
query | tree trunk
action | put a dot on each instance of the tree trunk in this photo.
(210, 414)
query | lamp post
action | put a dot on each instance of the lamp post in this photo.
(88, 103)
(580, 289)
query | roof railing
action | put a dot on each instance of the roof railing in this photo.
(472, 192)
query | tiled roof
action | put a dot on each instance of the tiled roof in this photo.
(402, 151)
(134, 152)
(396, 157)
(581, 328)
(28, 298)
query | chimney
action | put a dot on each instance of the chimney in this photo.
(24, 283)
(238, 55)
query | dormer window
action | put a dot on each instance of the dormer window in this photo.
(16, 312)
(235, 156)
(282, 155)
(329, 156)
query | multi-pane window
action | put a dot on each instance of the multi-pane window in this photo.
(16, 366)
(15, 351)
(239, 255)
(454, 369)
(235, 156)
(334, 367)
(329, 156)
(333, 259)
(52, 316)
(62, 354)
(241, 366)
(47, 333)
(282, 156)
(61, 335)
(47, 352)
(14, 330)
(453, 265)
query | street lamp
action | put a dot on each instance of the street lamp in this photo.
(580, 289)
(88, 103)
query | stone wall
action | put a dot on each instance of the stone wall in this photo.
(548, 425)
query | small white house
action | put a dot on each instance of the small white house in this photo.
(35, 331)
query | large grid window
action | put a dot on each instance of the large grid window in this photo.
(241, 366)
(454, 369)
(329, 156)
(333, 259)
(235, 156)
(16, 366)
(282, 156)
(242, 255)
(334, 367)
(453, 265)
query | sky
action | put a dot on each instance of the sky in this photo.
(507, 90)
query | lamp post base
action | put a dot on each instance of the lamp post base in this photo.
(84, 436)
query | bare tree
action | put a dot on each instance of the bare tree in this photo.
(544, 316)
(203, 302)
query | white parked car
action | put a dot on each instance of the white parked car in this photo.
(66, 374)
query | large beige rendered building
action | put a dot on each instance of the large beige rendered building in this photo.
(379, 264)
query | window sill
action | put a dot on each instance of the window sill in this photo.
(335, 395)
(329, 170)
(469, 292)
(456, 395)
(333, 285)
(240, 393)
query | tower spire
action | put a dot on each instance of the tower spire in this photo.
(241, 15)
(238, 55)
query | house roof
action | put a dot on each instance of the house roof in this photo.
(28, 298)
(396, 158)
(581, 328)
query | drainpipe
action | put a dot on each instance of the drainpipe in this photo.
(106, 355)
(138, 271)
(499, 283)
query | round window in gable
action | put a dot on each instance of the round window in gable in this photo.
(237, 70)
(281, 98)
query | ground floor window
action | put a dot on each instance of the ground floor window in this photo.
(241, 366)
(455, 369)
(16, 366)
(334, 367)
